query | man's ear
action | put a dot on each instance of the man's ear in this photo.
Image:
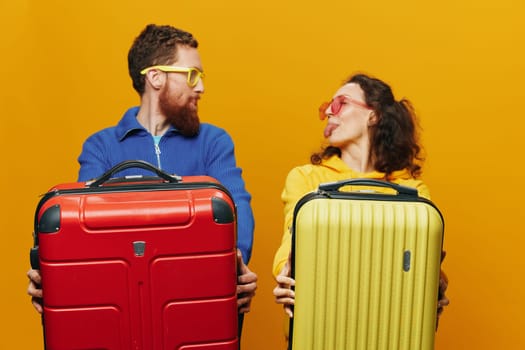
(155, 78)
(372, 118)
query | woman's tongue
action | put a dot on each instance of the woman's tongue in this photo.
(329, 129)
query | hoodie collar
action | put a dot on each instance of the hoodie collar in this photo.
(337, 164)
(129, 125)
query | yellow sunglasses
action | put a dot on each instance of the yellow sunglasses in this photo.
(194, 75)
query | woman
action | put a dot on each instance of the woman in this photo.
(370, 135)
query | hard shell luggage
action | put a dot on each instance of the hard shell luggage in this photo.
(138, 263)
(366, 266)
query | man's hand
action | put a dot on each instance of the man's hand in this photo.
(283, 292)
(34, 289)
(246, 285)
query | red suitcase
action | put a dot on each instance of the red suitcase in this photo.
(141, 263)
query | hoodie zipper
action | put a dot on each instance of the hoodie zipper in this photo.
(157, 152)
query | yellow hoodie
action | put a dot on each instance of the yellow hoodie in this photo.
(306, 178)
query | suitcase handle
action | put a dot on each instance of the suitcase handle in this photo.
(401, 190)
(133, 164)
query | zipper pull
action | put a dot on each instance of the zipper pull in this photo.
(157, 152)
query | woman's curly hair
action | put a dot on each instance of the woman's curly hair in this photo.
(155, 45)
(394, 139)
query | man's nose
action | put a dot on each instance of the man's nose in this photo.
(199, 87)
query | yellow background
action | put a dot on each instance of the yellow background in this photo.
(269, 64)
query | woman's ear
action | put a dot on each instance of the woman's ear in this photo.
(372, 118)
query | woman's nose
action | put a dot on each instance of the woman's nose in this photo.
(329, 112)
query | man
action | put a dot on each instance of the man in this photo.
(164, 130)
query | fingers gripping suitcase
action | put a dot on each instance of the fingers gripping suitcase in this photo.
(366, 266)
(138, 263)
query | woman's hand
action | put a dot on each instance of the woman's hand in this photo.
(283, 292)
(443, 285)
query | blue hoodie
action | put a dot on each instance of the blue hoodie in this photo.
(211, 153)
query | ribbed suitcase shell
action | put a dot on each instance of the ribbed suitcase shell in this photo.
(367, 271)
(101, 291)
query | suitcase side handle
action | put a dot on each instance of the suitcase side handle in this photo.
(335, 186)
(133, 164)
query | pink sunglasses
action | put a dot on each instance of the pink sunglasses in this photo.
(337, 104)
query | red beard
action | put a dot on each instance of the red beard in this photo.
(182, 117)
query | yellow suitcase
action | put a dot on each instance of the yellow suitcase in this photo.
(366, 265)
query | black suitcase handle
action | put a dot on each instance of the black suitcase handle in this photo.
(335, 186)
(133, 164)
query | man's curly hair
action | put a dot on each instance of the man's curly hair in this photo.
(155, 45)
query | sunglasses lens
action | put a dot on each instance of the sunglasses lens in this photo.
(337, 103)
(194, 76)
